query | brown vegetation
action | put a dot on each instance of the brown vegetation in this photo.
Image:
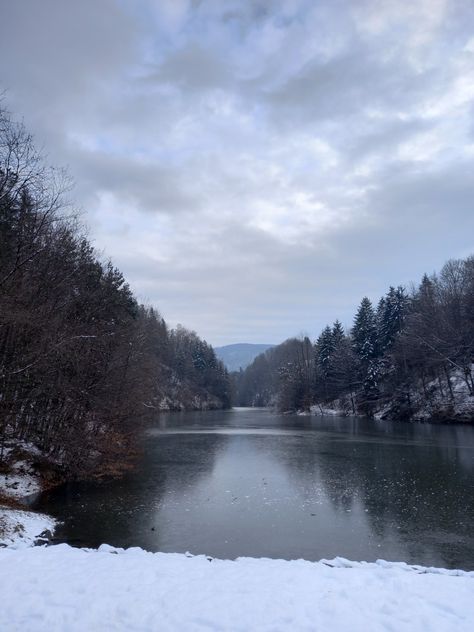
(82, 364)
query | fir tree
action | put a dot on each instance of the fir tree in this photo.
(364, 332)
(324, 349)
(392, 317)
(337, 334)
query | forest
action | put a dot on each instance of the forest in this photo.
(82, 363)
(408, 357)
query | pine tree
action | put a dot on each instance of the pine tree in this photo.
(391, 317)
(324, 348)
(364, 337)
(338, 334)
(364, 332)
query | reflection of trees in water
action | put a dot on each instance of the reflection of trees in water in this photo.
(185, 458)
(423, 494)
(123, 512)
(405, 476)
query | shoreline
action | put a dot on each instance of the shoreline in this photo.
(19, 481)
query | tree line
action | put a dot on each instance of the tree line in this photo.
(410, 356)
(81, 361)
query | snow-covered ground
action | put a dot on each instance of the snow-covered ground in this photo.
(20, 529)
(21, 480)
(461, 407)
(60, 588)
(431, 403)
(18, 485)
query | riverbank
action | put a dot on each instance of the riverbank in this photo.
(20, 528)
(20, 479)
(61, 588)
(429, 402)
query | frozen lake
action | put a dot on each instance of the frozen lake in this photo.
(249, 482)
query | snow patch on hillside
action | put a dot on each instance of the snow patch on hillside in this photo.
(440, 404)
(20, 479)
(19, 483)
(431, 402)
(326, 411)
(60, 588)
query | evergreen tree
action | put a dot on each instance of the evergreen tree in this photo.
(364, 336)
(338, 334)
(391, 317)
(364, 332)
(324, 348)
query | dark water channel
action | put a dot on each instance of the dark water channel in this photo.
(251, 482)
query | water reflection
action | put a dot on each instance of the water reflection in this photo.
(249, 482)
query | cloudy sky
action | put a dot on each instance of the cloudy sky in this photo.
(255, 166)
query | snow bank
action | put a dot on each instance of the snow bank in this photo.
(18, 485)
(60, 588)
(21, 479)
(20, 529)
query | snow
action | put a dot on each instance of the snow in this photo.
(461, 409)
(17, 484)
(61, 588)
(316, 409)
(21, 481)
(438, 406)
(19, 529)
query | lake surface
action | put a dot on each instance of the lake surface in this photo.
(249, 482)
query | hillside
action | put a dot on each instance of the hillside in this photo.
(407, 357)
(82, 362)
(240, 355)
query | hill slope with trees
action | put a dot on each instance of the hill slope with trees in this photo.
(81, 361)
(409, 357)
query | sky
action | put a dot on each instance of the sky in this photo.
(255, 167)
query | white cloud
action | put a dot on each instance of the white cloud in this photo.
(255, 168)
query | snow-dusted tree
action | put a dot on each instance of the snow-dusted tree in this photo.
(391, 315)
(364, 340)
(338, 333)
(324, 348)
(364, 332)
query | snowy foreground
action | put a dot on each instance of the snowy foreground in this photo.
(62, 588)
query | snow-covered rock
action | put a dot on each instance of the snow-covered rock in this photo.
(48, 589)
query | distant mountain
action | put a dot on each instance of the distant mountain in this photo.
(239, 355)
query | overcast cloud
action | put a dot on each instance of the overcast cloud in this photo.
(255, 167)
